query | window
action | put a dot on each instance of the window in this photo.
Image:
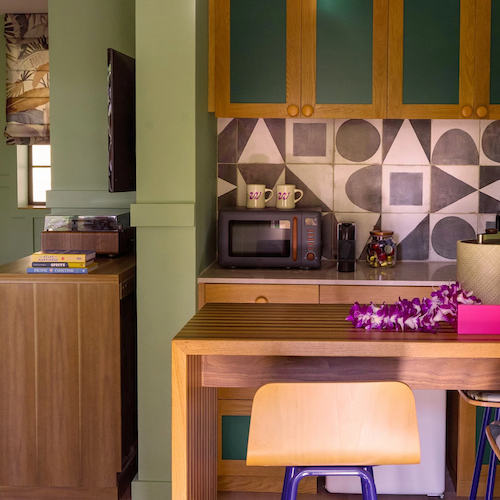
(39, 174)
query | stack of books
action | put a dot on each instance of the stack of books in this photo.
(63, 262)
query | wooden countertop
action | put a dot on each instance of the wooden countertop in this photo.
(317, 330)
(110, 269)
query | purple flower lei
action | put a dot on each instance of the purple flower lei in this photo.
(416, 314)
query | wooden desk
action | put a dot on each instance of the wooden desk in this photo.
(248, 345)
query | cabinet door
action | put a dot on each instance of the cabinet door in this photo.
(344, 58)
(487, 103)
(431, 58)
(257, 58)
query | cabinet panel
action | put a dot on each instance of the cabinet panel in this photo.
(285, 294)
(344, 58)
(58, 398)
(257, 62)
(348, 294)
(99, 318)
(431, 59)
(17, 386)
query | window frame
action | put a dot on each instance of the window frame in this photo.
(31, 202)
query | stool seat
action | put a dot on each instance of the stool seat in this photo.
(331, 428)
(493, 434)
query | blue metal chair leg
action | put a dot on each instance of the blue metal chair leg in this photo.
(369, 469)
(289, 472)
(480, 453)
(490, 483)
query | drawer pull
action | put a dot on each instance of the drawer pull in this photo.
(261, 300)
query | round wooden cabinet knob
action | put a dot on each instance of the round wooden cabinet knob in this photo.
(307, 110)
(293, 110)
(467, 111)
(261, 300)
(482, 111)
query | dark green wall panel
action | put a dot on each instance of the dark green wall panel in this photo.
(495, 53)
(258, 51)
(235, 437)
(431, 52)
(344, 52)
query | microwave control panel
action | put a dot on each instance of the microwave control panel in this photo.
(311, 235)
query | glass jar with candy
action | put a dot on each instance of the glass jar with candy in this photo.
(381, 249)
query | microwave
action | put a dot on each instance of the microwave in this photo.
(270, 237)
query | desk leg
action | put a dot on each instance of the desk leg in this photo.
(194, 430)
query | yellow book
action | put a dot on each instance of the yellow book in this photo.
(82, 256)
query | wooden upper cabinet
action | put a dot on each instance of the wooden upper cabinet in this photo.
(431, 58)
(487, 98)
(344, 58)
(301, 58)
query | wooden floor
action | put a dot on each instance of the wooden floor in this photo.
(325, 495)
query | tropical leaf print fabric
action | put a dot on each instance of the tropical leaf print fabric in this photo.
(28, 79)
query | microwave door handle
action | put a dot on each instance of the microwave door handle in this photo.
(294, 239)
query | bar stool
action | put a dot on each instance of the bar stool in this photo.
(489, 400)
(493, 435)
(333, 429)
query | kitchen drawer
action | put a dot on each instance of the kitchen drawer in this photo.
(284, 294)
(348, 294)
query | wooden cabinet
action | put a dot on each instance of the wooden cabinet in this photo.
(348, 294)
(356, 59)
(68, 378)
(301, 58)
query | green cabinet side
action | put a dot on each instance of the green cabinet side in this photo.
(235, 430)
(431, 52)
(258, 51)
(344, 51)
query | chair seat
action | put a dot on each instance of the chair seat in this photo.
(493, 433)
(482, 398)
(322, 424)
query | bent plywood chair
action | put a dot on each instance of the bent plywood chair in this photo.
(322, 429)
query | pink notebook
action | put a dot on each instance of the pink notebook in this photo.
(478, 319)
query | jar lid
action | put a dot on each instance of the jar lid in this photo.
(381, 232)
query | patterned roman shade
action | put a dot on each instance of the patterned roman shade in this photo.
(28, 82)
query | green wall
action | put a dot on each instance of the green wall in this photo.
(175, 209)
(80, 34)
(19, 227)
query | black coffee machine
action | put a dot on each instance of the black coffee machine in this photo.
(346, 247)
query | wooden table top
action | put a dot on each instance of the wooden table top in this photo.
(317, 330)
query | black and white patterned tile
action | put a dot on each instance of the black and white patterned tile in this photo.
(227, 130)
(358, 141)
(316, 181)
(309, 141)
(406, 142)
(446, 230)
(486, 221)
(227, 182)
(490, 142)
(357, 188)
(454, 189)
(405, 189)
(411, 233)
(455, 142)
(365, 222)
(489, 189)
(261, 141)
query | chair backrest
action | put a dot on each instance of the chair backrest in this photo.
(348, 423)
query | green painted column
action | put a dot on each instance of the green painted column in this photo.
(175, 209)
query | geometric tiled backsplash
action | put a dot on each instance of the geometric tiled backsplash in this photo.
(432, 182)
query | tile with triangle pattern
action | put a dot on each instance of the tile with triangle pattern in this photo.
(446, 230)
(226, 140)
(406, 142)
(454, 189)
(488, 174)
(309, 141)
(317, 183)
(455, 142)
(411, 233)
(260, 145)
(489, 189)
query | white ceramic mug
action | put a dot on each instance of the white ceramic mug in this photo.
(256, 195)
(287, 195)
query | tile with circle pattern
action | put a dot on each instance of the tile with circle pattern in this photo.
(446, 230)
(358, 141)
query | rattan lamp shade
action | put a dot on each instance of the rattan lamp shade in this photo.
(478, 269)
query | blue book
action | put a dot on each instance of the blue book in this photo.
(62, 270)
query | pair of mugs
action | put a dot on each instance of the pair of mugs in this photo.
(256, 195)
